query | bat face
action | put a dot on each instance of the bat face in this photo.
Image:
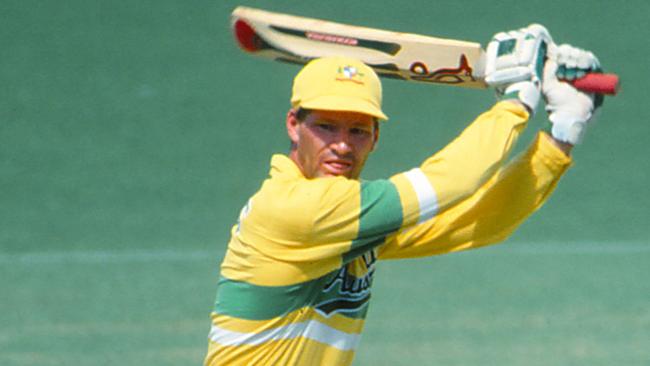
(393, 55)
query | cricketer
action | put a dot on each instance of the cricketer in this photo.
(296, 280)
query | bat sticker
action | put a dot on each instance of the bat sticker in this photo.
(461, 74)
(385, 47)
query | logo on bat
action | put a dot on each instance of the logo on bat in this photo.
(461, 74)
(330, 38)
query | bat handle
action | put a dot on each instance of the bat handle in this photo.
(607, 84)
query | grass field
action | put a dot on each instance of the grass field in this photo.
(131, 133)
(519, 304)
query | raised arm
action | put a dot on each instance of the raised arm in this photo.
(493, 212)
(513, 194)
(463, 166)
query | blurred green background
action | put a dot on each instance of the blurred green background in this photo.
(132, 132)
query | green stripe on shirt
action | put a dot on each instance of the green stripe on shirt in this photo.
(247, 301)
(381, 215)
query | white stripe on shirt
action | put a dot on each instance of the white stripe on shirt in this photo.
(312, 329)
(427, 198)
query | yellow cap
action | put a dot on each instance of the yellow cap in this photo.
(338, 84)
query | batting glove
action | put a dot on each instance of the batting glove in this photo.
(515, 62)
(569, 109)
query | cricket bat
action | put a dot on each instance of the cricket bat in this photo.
(404, 56)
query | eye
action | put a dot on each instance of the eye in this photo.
(325, 126)
(357, 131)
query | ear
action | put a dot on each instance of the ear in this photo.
(292, 126)
(375, 136)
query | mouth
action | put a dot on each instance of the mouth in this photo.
(338, 167)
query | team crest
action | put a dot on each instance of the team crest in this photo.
(349, 73)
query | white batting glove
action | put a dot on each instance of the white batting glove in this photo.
(569, 109)
(514, 64)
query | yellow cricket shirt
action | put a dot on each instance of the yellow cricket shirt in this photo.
(296, 278)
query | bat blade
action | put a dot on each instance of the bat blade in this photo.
(404, 56)
(391, 54)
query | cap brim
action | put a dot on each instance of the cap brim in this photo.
(347, 104)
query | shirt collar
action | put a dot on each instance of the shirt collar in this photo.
(282, 165)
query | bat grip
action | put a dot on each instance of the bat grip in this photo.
(607, 84)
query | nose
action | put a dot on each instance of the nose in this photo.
(341, 145)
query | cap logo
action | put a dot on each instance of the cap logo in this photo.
(349, 73)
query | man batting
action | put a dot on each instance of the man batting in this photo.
(296, 279)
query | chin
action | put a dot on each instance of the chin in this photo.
(349, 175)
(335, 174)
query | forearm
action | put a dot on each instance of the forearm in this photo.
(493, 212)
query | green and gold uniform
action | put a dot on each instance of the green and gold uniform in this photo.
(296, 279)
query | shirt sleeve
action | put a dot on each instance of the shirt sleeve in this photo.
(492, 213)
(463, 166)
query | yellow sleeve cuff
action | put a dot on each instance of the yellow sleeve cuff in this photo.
(512, 107)
(550, 153)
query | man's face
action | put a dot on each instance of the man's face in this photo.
(331, 143)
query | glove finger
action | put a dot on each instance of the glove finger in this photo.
(571, 60)
(585, 60)
(501, 36)
(570, 74)
(562, 54)
(550, 71)
(527, 53)
(561, 72)
(588, 61)
(540, 32)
